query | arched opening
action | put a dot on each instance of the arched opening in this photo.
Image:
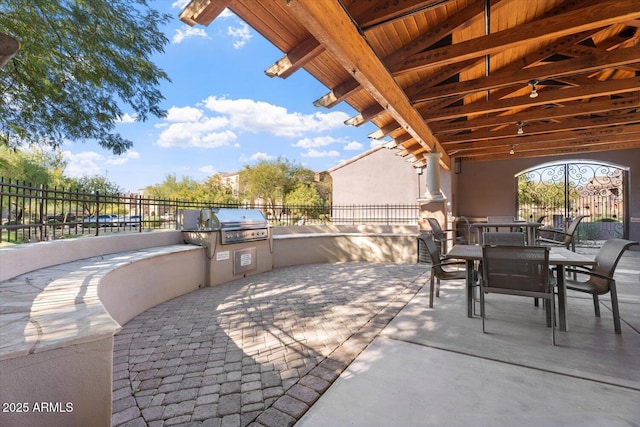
(560, 191)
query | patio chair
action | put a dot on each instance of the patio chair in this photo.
(439, 266)
(440, 235)
(504, 238)
(464, 230)
(562, 238)
(502, 218)
(498, 238)
(600, 280)
(517, 270)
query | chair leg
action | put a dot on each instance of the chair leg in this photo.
(431, 290)
(553, 316)
(596, 305)
(547, 310)
(614, 307)
(482, 313)
(438, 288)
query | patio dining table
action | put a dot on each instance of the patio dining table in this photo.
(558, 256)
(530, 228)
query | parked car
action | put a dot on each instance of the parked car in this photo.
(131, 221)
(101, 220)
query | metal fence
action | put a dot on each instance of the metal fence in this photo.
(36, 213)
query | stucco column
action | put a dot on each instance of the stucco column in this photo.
(433, 192)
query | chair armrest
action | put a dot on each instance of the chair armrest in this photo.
(590, 273)
(442, 240)
(557, 242)
(448, 262)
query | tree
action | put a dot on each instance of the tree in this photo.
(184, 189)
(96, 193)
(20, 166)
(304, 201)
(77, 62)
(217, 192)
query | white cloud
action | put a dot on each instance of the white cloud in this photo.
(208, 170)
(256, 157)
(186, 32)
(121, 160)
(180, 4)
(184, 114)
(315, 153)
(189, 128)
(240, 35)
(191, 135)
(226, 13)
(353, 146)
(259, 116)
(126, 118)
(319, 141)
(89, 163)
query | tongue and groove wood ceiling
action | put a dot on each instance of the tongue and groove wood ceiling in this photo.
(457, 76)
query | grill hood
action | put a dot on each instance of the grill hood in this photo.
(239, 219)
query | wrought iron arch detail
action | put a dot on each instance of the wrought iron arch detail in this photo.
(561, 191)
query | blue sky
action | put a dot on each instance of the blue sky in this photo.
(223, 112)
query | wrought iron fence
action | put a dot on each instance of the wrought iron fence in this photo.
(36, 213)
(556, 193)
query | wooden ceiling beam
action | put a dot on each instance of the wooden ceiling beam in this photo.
(362, 12)
(376, 12)
(203, 12)
(548, 97)
(432, 36)
(550, 137)
(542, 128)
(598, 15)
(555, 151)
(575, 109)
(295, 59)
(584, 64)
(330, 24)
(533, 146)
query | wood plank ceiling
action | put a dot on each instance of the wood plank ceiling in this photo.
(461, 76)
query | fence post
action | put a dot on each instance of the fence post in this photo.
(97, 212)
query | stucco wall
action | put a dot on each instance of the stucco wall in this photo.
(76, 380)
(19, 259)
(488, 188)
(379, 176)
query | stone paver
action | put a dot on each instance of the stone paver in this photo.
(258, 351)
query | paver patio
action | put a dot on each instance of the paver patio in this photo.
(258, 350)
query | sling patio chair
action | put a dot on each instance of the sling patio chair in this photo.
(440, 266)
(440, 235)
(600, 277)
(562, 238)
(517, 270)
(504, 238)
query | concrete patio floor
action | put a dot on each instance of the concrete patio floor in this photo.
(356, 344)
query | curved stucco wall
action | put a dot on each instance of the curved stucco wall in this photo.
(20, 259)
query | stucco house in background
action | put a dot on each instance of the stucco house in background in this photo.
(379, 176)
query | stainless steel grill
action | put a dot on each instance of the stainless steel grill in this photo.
(235, 225)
